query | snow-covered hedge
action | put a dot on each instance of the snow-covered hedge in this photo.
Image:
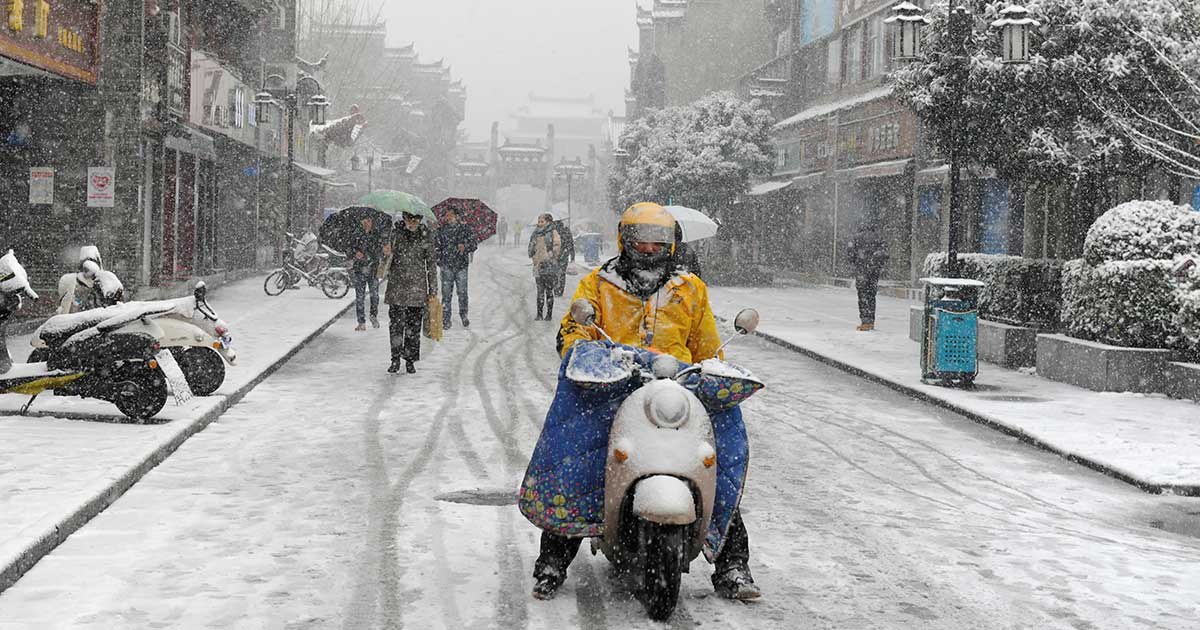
(1143, 230)
(1128, 303)
(1020, 291)
(1123, 292)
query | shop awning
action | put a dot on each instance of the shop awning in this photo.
(187, 139)
(878, 169)
(767, 188)
(314, 170)
(811, 180)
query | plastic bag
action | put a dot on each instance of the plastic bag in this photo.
(433, 318)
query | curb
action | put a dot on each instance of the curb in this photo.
(991, 423)
(28, 557)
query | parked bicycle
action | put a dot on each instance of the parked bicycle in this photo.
(307, 261)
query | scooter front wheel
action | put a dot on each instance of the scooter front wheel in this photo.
(202, 367)
(661, 551)
(142, 395)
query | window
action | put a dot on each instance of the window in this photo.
(853, 71)
(876, 47)
(834, 61)
(783, 43)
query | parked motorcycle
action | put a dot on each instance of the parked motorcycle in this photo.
(199, 340)
(661, 474)
(109, 354)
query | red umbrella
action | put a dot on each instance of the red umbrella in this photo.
(471, 212)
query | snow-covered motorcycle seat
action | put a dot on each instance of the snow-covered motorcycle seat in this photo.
(60, 329)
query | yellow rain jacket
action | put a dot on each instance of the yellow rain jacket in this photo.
(677, 320)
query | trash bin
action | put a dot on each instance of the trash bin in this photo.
(950, 330)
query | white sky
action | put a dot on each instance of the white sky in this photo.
(505, 50)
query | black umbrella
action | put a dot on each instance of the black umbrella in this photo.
(344, 227)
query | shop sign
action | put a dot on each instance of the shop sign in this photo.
(101, 187)
(60, 37)
(41, 185)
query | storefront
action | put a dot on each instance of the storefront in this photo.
(51, 133)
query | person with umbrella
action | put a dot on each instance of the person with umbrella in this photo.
(455, 243)
(367, 249)
(412, 279)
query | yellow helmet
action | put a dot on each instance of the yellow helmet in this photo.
(646, 222)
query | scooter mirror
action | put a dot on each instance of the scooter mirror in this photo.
(746, 321)
(583, 313)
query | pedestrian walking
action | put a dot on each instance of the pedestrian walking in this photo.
(518, 227)
(368, 249)
(412, 279)
(545, 248)
(565, 257)
(867, 255)
(686, 258)
(455, 243)
(502, 231)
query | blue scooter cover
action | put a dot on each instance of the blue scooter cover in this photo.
(563, 489)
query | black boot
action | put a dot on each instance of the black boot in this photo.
(394, 368)
(410, 367)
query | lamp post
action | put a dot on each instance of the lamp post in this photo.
(1014, 24)
(569, 170)
(274, 91)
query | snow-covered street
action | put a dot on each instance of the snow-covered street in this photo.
(336, 495)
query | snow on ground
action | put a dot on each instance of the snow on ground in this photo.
(314, 503)
(50, 466)
(1152, 439)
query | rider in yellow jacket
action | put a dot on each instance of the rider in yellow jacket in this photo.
(642, 299)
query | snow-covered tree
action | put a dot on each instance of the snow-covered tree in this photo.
(1110, 91)
(702, 155)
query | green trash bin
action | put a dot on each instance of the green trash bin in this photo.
(950, 331)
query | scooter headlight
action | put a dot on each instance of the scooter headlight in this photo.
(667, 408)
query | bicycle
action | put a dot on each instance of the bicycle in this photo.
(304, 263)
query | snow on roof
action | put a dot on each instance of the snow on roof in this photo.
(953, 282)
(768, 187)
(829, 108)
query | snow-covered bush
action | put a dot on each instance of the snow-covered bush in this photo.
(1143, 230)
(1020, 291)
(1128, 303)
(1188, 318)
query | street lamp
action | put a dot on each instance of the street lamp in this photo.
(569, 170)
(317, 105)
(906, 43)
(1014, 23)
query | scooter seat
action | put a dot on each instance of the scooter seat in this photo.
(56, 330)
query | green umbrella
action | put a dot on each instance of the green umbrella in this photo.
(394, 202)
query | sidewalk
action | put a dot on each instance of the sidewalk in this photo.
(57, 473)
(1148, 441)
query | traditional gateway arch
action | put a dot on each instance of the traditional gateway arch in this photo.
(556, 147)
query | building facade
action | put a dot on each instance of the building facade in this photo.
(130, 124)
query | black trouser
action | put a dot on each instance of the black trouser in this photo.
(867, 286)
(557, 552)
(404, 327)
(545, 293)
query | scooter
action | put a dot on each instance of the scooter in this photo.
(104, 354)
(199, 340)
(661, 473)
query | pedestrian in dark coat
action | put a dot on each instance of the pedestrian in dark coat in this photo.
(867, 255)
(502, 231)
(412, 279)
(455, 243)
(545, 247)
(367, 250)
(565, 257)
(685, 255)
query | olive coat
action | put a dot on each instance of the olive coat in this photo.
(412, 271)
